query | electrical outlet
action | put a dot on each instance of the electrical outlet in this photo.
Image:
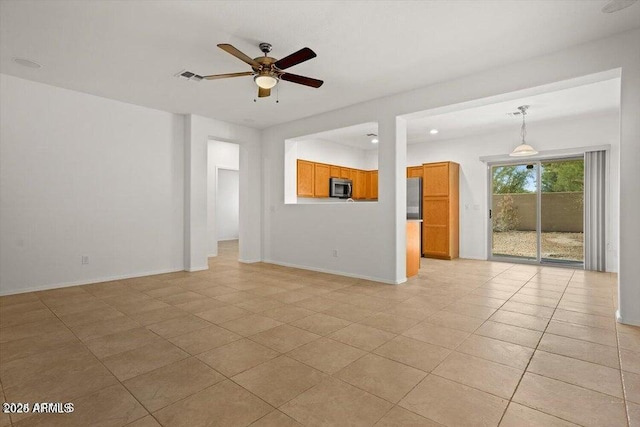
(85, 260)
(335, 253)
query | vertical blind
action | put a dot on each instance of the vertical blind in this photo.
(594, 210)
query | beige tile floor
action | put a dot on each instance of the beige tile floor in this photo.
(466, 343)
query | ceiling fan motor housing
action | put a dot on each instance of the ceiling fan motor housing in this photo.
(265, 47)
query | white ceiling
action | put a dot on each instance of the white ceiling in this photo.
(130, 51)
(594, 98)
(589, 99)
(353, 136)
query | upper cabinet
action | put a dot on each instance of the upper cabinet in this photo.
(322, 173)
(373, 187)
(306, 171)
(313, 180)
(436, 180)
(359, 187)
(414, 171)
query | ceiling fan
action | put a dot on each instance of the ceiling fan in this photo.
(267, 71)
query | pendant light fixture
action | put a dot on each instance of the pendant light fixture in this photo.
(523, 149)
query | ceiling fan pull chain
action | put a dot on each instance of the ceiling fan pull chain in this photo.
(277, 95)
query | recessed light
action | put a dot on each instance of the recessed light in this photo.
(616, 5)
(27, 63)
(433, 131)
(374, 141)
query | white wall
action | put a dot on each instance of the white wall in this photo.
(198, 132)
(219, 155)
(592, 130)
(372, 236)
(333, 153)
(227, 208)
(84, 175)
(371, 160)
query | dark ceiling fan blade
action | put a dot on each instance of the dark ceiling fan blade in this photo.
(295, 58)
(224, 76)
(262, 93)
(241, 56)
(307, 81)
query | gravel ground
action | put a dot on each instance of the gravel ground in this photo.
(555, 245)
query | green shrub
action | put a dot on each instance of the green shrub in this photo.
(507, 215)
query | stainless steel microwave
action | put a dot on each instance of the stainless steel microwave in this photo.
(340, 188)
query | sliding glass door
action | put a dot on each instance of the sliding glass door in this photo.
(536, 211)
(514, 208)
(562, 211)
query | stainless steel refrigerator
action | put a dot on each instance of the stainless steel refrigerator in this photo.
(414, 198)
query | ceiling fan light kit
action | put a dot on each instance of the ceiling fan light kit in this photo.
(265, 81)
(268, 71)
(524, 149)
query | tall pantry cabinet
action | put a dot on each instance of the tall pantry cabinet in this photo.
(440, 210)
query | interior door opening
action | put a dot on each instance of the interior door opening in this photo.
(223, 199)
(537, 212)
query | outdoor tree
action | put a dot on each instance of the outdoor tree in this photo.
(565, 176)
(513, 179)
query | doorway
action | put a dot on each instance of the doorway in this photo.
(537, 212)
(223, 199)
(228, 206)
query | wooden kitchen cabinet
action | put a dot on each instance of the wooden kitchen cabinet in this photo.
(367, 184)
(359, 186)
(440, 210)
(305, 179)
(374, 185)
(322, 173)
(353, 173)
(313, 180)
(414, 171)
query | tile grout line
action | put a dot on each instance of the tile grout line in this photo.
(104, 366)
(373, 313)
(531, 358)
(535, 350)
(453, 350)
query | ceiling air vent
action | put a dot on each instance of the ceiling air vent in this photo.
(188, 75)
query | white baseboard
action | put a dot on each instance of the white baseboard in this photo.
(337, 273)
(4, 292)
(625, 320)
